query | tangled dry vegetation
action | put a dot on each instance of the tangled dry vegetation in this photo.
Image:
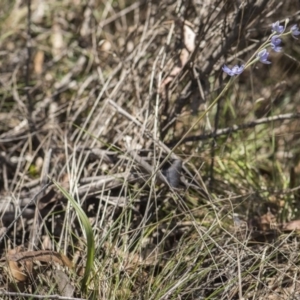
(107, 104)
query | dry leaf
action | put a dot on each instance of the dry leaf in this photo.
(57, 40)
(40, 255)
(189, 37)
(39, 11)
(63, 284)
(39, 62)
(14, 268)
(268, 221)
(293, 225)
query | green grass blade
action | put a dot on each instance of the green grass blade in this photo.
(89, 235)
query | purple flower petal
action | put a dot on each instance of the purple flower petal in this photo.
(236, 70)
(277, 28)
(263, 56)
(295, 31)
(275, 42)
(276, 48)
(227, 70)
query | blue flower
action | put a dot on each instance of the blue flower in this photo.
(263, 56)
(275, 42)
(277, 28)
(236, 70)
(295, 31)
